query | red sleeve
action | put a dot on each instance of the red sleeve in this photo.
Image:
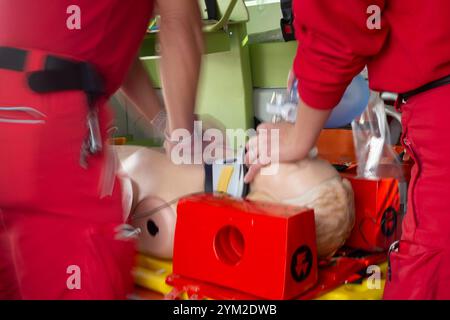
(335, 44)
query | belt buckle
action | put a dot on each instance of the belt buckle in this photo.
(92, 144)
(95, 137)
(393, 247)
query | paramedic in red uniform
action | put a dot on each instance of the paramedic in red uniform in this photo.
(409, 54)
(62, 234)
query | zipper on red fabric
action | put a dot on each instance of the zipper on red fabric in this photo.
(407, 143)
(412, 184)
(394, 246)
(399, 103)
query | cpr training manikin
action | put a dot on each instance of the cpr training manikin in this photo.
(153, 185)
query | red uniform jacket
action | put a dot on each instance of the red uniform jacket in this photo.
(110, 33)
(411, 48)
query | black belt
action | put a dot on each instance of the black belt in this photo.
(12, 59)
(60, 74)
(404, 97)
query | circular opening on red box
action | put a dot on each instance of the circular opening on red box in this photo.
(229, 245)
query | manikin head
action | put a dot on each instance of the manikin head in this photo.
(315, 184)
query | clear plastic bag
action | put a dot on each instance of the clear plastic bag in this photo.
(283, 106)
(375, 155)
(353, 103)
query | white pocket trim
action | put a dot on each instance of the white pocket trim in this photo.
(31, 111)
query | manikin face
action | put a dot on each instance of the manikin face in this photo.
(156, 220)
(156, 182)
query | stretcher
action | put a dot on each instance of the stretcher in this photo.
(151, 273)
(360, 290)
(344, 278)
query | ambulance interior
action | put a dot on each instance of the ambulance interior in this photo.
(344, 204)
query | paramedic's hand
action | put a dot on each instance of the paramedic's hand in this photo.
(275, 142)
(200, 147)
(294, 143)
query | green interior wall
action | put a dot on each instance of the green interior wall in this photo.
(225, 88)
(232, 67)
(263, 17)
(226, 85)
(271, 63)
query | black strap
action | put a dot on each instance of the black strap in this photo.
(286, 9)
(64, 75)
(246, 189)
(47, 81)
(209, 188)
(12, 59)
(429, 86)
(212, 10)
(287, 22)
(58, 74)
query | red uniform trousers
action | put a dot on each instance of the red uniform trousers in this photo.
(57, 235)
(421, 266)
